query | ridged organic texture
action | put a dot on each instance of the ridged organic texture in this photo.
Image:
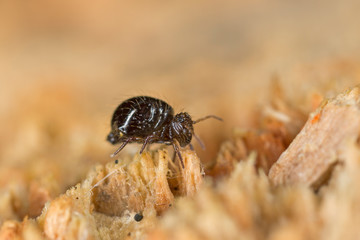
(320, 144)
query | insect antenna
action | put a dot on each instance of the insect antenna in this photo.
(206, 117)
(201, 143)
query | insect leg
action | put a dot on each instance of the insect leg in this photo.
(176, 148)
(121, 147)
(147, 140)
(206, 117)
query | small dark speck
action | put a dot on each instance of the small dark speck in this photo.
(170, 205)
(77, 197)
(116, 161)
(138, 217)
(176, 188)
(129, 234)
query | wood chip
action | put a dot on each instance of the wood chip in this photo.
(313, 153)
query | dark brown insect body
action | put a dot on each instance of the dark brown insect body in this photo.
(149, 120)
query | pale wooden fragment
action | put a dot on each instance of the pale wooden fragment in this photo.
(191, 175)
(319, 145)
(104, 205)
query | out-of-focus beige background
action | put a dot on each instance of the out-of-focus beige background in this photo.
(66, 65)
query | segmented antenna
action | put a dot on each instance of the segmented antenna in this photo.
(207, 117)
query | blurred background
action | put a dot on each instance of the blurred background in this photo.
(66, 65)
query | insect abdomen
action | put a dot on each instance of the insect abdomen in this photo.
(140, 116)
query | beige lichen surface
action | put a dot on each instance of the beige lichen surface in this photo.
(243, 203)
(146, 181)
(13, 230)
(320, 144)
(247, 206)
(26, 195)
(278, 123)
(43, 153)
(103, 206)
(244, 206)
(340, 210)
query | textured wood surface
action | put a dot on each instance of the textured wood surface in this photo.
(319, 145)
